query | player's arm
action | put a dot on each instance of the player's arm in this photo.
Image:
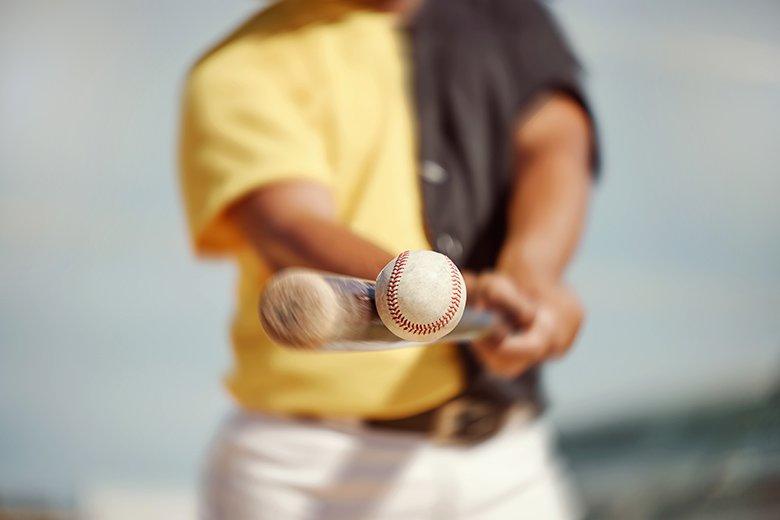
(294, 224)
(550, 197)
(547, 211)
(255, 171)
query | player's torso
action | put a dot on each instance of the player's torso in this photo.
(348, 76)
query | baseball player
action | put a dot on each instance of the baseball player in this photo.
(307, 140)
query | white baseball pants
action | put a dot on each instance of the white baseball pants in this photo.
(264, 467)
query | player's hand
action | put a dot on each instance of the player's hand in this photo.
(535, 327)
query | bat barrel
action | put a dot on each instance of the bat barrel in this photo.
(304, 309)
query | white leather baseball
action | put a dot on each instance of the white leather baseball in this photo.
(420, 295)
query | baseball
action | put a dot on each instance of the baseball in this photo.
(420, 295)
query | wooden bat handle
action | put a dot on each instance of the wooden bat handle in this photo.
(311, 310)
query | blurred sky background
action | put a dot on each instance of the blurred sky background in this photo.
(113, 339)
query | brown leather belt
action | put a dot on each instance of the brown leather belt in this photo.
(461, 421)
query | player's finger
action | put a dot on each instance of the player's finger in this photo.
(498, 292)
(537, 339)
(524, 346)
(499, 364)
(493, 338)
(506, 356)
(512, 354)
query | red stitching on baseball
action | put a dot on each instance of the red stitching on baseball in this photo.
(394, 308)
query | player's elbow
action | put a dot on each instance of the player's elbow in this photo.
(280, 215)
(559, 127)
(261, 224)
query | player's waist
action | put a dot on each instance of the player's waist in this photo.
(462, 421)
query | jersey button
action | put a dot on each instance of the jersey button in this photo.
(448, 245)
(433, 172)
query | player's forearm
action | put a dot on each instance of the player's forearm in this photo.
(320, 244)
(546, 220)
(550, 197)
(293, 225)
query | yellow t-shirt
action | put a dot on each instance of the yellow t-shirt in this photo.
(320, 96)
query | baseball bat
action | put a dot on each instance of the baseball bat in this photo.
(311, 310)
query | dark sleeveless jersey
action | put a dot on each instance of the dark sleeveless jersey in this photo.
(478, 68)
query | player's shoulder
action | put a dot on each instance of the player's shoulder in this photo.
(490, 15)
(259, 45)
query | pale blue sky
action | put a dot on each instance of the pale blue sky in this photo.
(113, 338)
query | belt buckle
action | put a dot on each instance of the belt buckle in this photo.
(465, 421)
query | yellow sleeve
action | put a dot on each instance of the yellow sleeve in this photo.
(243, 127)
